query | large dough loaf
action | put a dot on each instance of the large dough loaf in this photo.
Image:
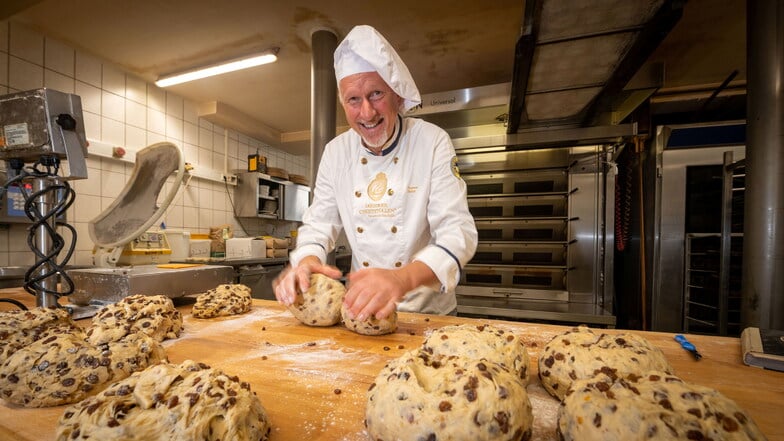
(480, 341)
(64, 368)
(223, 300)
(654, 406)
(371, 325)
(419, 397)
(20, 328)
(581, 354)
(151, 315)
(190, 401)
(320, 304)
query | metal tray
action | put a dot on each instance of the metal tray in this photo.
(113, 284)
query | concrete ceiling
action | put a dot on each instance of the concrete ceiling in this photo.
(447, 45)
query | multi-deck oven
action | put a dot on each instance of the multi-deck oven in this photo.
(544, 225)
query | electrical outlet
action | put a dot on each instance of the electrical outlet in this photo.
(230, 179)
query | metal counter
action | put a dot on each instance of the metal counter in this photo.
(256, 273)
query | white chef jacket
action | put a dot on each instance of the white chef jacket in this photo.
(404, 205)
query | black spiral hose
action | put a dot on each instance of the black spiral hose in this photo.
(47, 265)
(623, 204)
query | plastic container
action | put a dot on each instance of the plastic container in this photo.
(200, 248)
(179, 242)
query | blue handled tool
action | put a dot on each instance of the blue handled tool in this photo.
(686, 344)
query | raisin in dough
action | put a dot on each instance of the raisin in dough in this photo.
(580, 354)
(21, 328)
(419, 397)
(655, 406)
(320, 304)
(483, 341)
(65, 368)
(151, 315)
(230, 299)
(190, 401)
(371, 325)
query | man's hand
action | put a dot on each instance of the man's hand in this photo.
(376, 292)
(373, 292)
(297, 279)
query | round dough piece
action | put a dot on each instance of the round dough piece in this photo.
(581, 354)
(230, 299)
(151, 315)
(20, 328)
(320, 304)
(190, 401)
(64, 368)
(655, 406)
(418, 397)
(480, 341)
(371, 325)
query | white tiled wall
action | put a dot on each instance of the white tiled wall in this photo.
(125, 110)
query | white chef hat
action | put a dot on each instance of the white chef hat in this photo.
(365, 50)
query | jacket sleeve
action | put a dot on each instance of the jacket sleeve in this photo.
(451, 224)
(317, 234)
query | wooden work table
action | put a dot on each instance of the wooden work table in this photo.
(312, 381)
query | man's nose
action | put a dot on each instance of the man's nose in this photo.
(367, 111)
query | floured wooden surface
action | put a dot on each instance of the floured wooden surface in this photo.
(312, 381)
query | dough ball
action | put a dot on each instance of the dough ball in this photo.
(223, 300)
(419, 397)
(580, 354)
(482, 341)
(65, 368)
(190, 401)
(151, 315)
(371, 325)
(20, 328)
(320, 304)
(655, 406)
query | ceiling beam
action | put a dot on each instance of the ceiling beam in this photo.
(523, 60)
(11, 7)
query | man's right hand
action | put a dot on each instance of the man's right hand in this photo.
(297, 279)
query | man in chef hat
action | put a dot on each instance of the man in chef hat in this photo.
(392, 184)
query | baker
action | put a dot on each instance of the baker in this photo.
(393, 185)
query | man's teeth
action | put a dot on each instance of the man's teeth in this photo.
(369, 126)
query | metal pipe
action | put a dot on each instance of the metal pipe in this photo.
(44, 243)
(323, 96)
(726, 241)
(763, 245)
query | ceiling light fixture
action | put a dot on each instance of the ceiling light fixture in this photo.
(268, 56)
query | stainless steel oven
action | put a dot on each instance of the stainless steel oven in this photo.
(542, 219)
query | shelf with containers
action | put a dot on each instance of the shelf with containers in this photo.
(260, 195)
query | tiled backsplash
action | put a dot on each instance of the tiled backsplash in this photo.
(124, 110)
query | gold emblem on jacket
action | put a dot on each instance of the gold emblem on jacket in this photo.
(455, 168)
(377, 187)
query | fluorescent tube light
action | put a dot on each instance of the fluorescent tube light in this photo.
(265, 57)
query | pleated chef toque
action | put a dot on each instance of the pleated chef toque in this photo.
(366, 50)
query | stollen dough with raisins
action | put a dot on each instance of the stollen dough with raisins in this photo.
(580, 354)
(419, 397)
(190, 401)
(654, 406)
(480, 341)
(20, 328)
(65, 368)
(371, 325)
(223, 300)
(320, 304)
(151, 315)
